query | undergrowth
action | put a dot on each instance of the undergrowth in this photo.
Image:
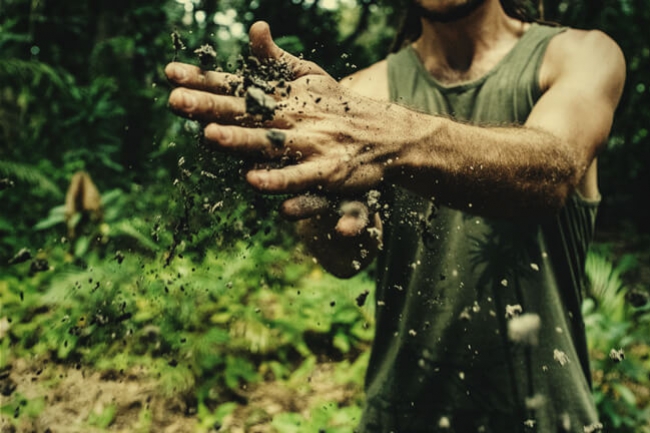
(206, 328)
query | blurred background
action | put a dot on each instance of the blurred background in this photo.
(143, 287)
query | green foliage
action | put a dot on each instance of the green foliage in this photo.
(104, 418)
(204, 329)
(190, 275)
(613, 325)
(125, 230)
(20, 405)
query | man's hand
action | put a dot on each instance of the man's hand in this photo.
(325, 135)
(316, 133)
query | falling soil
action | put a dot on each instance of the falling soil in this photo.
(261, 79)
(259, 103)
(6, 183)
(21, 256)
(207, 55)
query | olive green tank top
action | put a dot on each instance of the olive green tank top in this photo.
(478, 322)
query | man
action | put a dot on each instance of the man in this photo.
(488, 197)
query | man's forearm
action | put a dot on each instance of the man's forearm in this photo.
(499, 172)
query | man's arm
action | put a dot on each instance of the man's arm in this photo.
(342, 142)
(499, 172)
(529, 170)
(345, 143)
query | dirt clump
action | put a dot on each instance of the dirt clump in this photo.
(206, 54)
(259, 103)
(261, 80)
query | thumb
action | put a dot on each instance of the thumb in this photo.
(354, 218)
(263, 48)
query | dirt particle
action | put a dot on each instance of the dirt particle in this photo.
(560, 357)
(21, 256)
(530, 423)
(206, 54)
(259, 103)
(177, 42)
(593, 428)
(38, 265)
(524, 329)
(617, 355)
(6, 183)
(361, 299)
(7, 386)
(513, 311)
(276, 137)
(535, 402)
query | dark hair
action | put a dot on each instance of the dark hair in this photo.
(409, 28)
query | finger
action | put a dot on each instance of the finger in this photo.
(292, 179)
(193, 77)
(349, 225)
(304, 206)
(355, 217)
(263, 47)
(271, 143)
(205, 106)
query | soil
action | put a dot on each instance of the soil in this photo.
(73, 396)
(260, 80)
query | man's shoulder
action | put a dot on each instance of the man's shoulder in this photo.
(576, 39)
(371, 82)
(579, 47)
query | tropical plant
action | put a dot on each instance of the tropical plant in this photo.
(619, 338)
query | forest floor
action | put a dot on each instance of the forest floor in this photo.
(51, 397)
(73, 399)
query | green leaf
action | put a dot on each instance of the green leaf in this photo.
(342, 342)
(103, 419)
(30, 175)
(55, 217)
(126, 228)
(626, 395)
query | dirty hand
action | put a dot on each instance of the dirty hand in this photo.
(327, 137)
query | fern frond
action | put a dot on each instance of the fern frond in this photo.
(606, 285)
(126, 228)
(23, 70)
(30, 175)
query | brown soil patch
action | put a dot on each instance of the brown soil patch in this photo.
(74, 397)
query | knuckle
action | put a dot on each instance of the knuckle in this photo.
(338, 174)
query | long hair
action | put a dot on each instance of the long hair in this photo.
(410, 26)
